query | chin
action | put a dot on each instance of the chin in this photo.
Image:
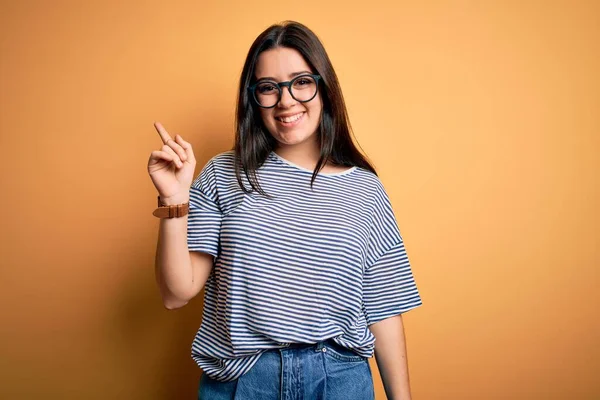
(292, 138)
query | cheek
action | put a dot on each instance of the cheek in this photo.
(316, 105)
(315, 108)
(266, 117)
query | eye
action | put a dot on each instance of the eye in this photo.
(304, 82)
(266, 88)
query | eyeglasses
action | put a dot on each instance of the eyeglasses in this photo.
(302, 88)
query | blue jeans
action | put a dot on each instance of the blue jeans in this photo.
(324, 370)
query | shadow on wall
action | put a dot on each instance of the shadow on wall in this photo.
(152, 344)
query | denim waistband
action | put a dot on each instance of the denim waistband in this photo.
(317, 345)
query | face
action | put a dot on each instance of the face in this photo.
(283, 64)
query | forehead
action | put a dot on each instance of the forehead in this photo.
(280, 63)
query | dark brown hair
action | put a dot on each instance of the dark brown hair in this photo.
(253, 142)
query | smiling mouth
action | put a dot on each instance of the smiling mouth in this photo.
(290, 119)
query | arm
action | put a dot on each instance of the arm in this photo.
(390, 355)
(180, 274)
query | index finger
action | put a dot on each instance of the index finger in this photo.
(164, 135)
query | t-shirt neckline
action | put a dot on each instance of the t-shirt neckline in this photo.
(296, 166)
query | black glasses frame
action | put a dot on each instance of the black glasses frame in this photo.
(280, 86)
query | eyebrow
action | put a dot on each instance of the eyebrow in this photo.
(291, 75)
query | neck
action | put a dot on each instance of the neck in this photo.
(305, 154)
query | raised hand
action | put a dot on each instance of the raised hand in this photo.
(172, 168)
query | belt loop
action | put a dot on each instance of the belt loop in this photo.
(320, 345)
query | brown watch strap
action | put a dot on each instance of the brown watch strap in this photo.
(171, 211)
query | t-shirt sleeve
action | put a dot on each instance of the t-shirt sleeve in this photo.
(204, 219)
(389, 287)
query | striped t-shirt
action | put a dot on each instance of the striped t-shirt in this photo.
(302, 267)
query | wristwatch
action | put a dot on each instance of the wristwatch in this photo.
(171, 211)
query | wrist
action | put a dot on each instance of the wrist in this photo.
(175, 199)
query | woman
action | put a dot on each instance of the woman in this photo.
(293, 237)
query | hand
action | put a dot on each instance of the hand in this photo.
(172, 168)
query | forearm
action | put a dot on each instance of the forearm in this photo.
(391, 357)
(173, 266)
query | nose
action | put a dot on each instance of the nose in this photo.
(286, 98)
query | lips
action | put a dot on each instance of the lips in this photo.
(290, 118)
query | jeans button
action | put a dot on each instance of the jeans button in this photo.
(324, 349)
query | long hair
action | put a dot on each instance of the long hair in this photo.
(253, 142)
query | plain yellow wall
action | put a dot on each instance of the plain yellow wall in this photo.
(481, 117)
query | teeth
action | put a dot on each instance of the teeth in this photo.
(291, 119)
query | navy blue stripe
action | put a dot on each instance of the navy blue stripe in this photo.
(305, 266)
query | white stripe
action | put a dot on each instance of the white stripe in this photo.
(304, 266)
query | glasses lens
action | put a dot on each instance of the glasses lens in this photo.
(304, 88)
(266, 94)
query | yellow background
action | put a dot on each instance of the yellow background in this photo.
(480, 116)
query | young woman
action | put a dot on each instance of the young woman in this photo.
(293, 237)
